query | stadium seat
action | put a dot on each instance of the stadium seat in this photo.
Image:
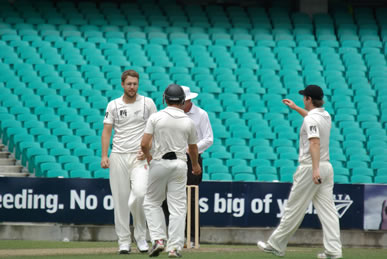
(102, 173)
(266, 170)
(361, 179)
(57, 173)
(217, 168)
(288, 177)
(221, 177)
(239, 169)
(79, 173)
(244, 177)
(267, 178)
(381, 179)
(341, 179)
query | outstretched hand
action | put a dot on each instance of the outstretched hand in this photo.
(289, 103)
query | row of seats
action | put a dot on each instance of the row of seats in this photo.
(355, 179)
(148, 13)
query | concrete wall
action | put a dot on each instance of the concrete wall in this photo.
(59, 232)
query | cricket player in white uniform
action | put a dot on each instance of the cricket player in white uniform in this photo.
(128, 115)
(313, 180)
(171, 131)
(205, 140)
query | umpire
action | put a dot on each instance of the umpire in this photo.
(169, 132)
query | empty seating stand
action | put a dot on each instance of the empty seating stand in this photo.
(61, 62)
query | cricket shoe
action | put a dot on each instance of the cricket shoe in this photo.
(325, 255)
(269, 249)
(174, 254)
(124, 249)
(142, 246)
(157, 248)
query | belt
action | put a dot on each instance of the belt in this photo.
(169, 156)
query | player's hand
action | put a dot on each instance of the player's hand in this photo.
(141, 155)
(316, 176)
(149, 158)
(105, 162)
(289, 103)
(196, 170)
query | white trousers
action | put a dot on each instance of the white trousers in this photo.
(167, 177)
(128, 183)
(302, 193)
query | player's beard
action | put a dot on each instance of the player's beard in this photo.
(131, 94)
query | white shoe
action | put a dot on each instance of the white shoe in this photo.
(325, 255)
(157, 248)
(142, 246)
(124, 249)
(174, 254)
(269, 249)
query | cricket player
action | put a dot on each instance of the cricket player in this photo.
(313, 180)
(170, 131)
(205, 140)
(128, 115)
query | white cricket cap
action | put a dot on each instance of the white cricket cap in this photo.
(188, 94)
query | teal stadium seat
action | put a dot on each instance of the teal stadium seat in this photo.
(244, 177)
(361, 179)
(79, 173)
(55, 173)
(341, 179)
(102, 173)
(221, 177)
(267, 178)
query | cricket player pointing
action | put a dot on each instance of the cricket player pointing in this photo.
(313, 180)
(170, 131)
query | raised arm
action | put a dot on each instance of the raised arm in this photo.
(293, 106)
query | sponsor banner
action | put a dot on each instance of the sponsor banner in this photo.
(232, 204)
(375, 207)
(78, 201)
(262, 205)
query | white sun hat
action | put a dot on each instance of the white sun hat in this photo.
(188, 94)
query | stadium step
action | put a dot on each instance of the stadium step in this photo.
(9, 166)
(7, 161)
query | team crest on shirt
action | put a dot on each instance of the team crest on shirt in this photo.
(123, 113)
(313, 129)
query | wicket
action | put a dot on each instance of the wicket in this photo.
(189, 193)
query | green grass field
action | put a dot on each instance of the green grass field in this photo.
(89, 250)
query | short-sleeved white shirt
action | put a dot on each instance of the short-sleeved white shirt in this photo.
(317, 124)
(129, 120)
(172, 131)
